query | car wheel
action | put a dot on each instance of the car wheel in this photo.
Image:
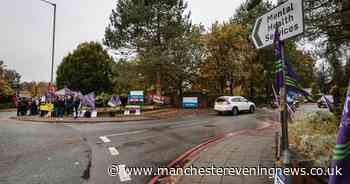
(235, 111)
(252, 109)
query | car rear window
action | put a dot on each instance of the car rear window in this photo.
(220, 100)
(235, 100)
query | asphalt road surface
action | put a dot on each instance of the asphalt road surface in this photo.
(81, 153)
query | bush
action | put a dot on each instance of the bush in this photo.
(7, 105)
(314, 136)
(102, 99)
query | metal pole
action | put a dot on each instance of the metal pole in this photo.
(284, 112)
(286, 156)
(53, 42)
(53, 38)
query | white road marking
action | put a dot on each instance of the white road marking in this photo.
(126, 133)
(113, 151)
(105, 139)
(123, 176)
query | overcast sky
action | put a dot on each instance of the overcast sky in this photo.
(26, 29)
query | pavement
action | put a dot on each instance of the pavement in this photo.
(247, 150)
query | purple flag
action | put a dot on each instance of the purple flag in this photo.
(279, 63)
(291, 79)
(279, 44)
(328, 99)
(88, 100)
(114, 101)
(341, 153)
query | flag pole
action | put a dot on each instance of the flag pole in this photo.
(286, 156)
(283, 108)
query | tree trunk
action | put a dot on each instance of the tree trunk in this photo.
(252, 89)
(346, 15)
(180, 95)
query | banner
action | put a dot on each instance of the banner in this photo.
(88, 100)
(114, 101)
(341, 153)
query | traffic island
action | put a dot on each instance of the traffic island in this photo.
(83, 120)
(148, 115)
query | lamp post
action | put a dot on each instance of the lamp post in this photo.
(53, 37)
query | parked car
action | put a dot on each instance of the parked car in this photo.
(233, 104)
(321, 103)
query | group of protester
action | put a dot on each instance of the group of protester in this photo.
(27, 104)
(58, 106)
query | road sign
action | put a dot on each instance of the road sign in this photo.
(288, 17)
(190, 102)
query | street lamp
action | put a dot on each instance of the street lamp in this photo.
(53, 37)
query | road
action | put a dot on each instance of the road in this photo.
(81, 153)
(41, 153)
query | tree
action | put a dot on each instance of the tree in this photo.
(36, 89)
(5, 89)
(9, 80)
(315, 89)
(160, 31)
(229, 58)
(87, 69)
(328, 19)
(127, 76)
(337, 69)
(13, 78)
(180, 67)
(186, 55)
(142, 24)
(347, 69)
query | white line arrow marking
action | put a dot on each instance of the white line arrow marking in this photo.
(113, 151)
(105, 139)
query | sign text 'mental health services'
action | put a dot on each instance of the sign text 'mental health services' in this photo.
(287, 18)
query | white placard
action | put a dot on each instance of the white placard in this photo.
(126, 112)
(138, 112)
(136, 93)
(94, 114)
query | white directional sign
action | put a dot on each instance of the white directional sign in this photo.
(287, 17)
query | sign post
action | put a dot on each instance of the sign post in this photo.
(282, 22)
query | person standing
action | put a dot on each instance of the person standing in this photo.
(18, 106)
(56, 107)
(61, 107)
(76, 103)
(68, 105)
(33, 107)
